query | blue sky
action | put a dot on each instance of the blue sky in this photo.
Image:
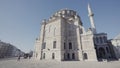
(20, 19)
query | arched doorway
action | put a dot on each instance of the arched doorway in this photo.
(85, 56)
(101, 52)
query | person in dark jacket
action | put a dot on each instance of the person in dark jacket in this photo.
(18, 58)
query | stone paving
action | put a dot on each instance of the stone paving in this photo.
(30, 63)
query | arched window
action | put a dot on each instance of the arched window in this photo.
(44, 45)
(68, 56)
(73, 56)
(70, 45)
(43, 55)
(53, 56)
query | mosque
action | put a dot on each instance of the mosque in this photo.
(64, 38)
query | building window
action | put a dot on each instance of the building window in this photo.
(73, 56)
(107, 49)
(101, 40)
(54, 44)
(44, 45)
(53, 56)
(105, 39)
(64, 46)
(44, 56)
(68, 56)
(97, 40)
(70, 45)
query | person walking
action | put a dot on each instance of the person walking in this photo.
(18, 58)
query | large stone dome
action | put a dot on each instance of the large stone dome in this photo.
(66, 13)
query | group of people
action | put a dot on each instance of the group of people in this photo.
(25, 57)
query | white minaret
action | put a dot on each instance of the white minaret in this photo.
(90, 14)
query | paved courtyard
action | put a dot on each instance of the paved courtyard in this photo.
(30, 63)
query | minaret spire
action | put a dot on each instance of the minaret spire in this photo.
(90, 14)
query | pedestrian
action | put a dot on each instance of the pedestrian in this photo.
(29, 56)
(18, 58)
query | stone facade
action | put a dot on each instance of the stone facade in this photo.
(63, 37)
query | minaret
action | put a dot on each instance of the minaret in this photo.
(90, 14)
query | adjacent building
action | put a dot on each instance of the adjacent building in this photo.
(8, 50)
